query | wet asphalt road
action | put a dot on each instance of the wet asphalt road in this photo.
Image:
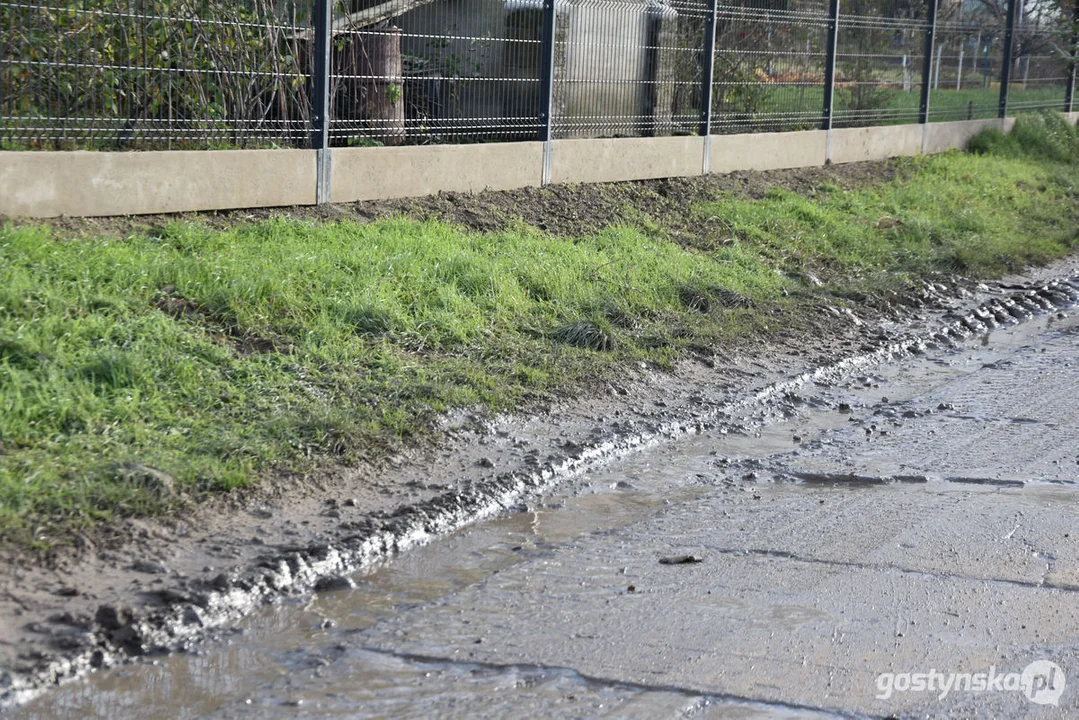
(911, 529)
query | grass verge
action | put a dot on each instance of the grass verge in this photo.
(137, 372)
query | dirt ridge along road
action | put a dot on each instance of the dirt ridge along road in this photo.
(187, 583)
(912, 520)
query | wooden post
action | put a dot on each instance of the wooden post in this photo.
(959, 72)
(379, 64)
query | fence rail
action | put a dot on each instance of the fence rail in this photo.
(189, 74)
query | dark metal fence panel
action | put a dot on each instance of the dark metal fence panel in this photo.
(111, 74)
(964, 73)
(140, 74)
(879, 62)
(626, 68)
(434, 71)
(769, 65)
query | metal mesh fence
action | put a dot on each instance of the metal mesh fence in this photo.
(769, 65)
(152, 73)
(418, 71)
(628, 68)
(143, 74)
(879, 60)
(1041, 62)
(965, 69)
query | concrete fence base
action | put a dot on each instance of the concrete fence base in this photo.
(50, 184)
(412, 171)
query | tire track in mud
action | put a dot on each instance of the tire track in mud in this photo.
(118, 634)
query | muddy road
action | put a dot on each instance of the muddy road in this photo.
(901, 540)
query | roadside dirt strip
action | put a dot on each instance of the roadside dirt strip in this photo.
(875, 548)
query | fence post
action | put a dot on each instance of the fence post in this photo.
(708, 60)
(829, 68)
(546, 103)
(1006, 62)
(320, 102)
(708, 65)
(1069, 99)
(927, 61)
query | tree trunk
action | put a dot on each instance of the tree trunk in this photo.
(379, 65)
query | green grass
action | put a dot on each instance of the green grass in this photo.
(946, 103)
(947, 100)
(215, 355)
(1046, 136)
(1011, 205)
(223, 356)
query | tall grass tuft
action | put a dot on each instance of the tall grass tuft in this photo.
(1044, 136)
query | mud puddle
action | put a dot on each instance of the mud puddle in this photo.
(308, 658)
